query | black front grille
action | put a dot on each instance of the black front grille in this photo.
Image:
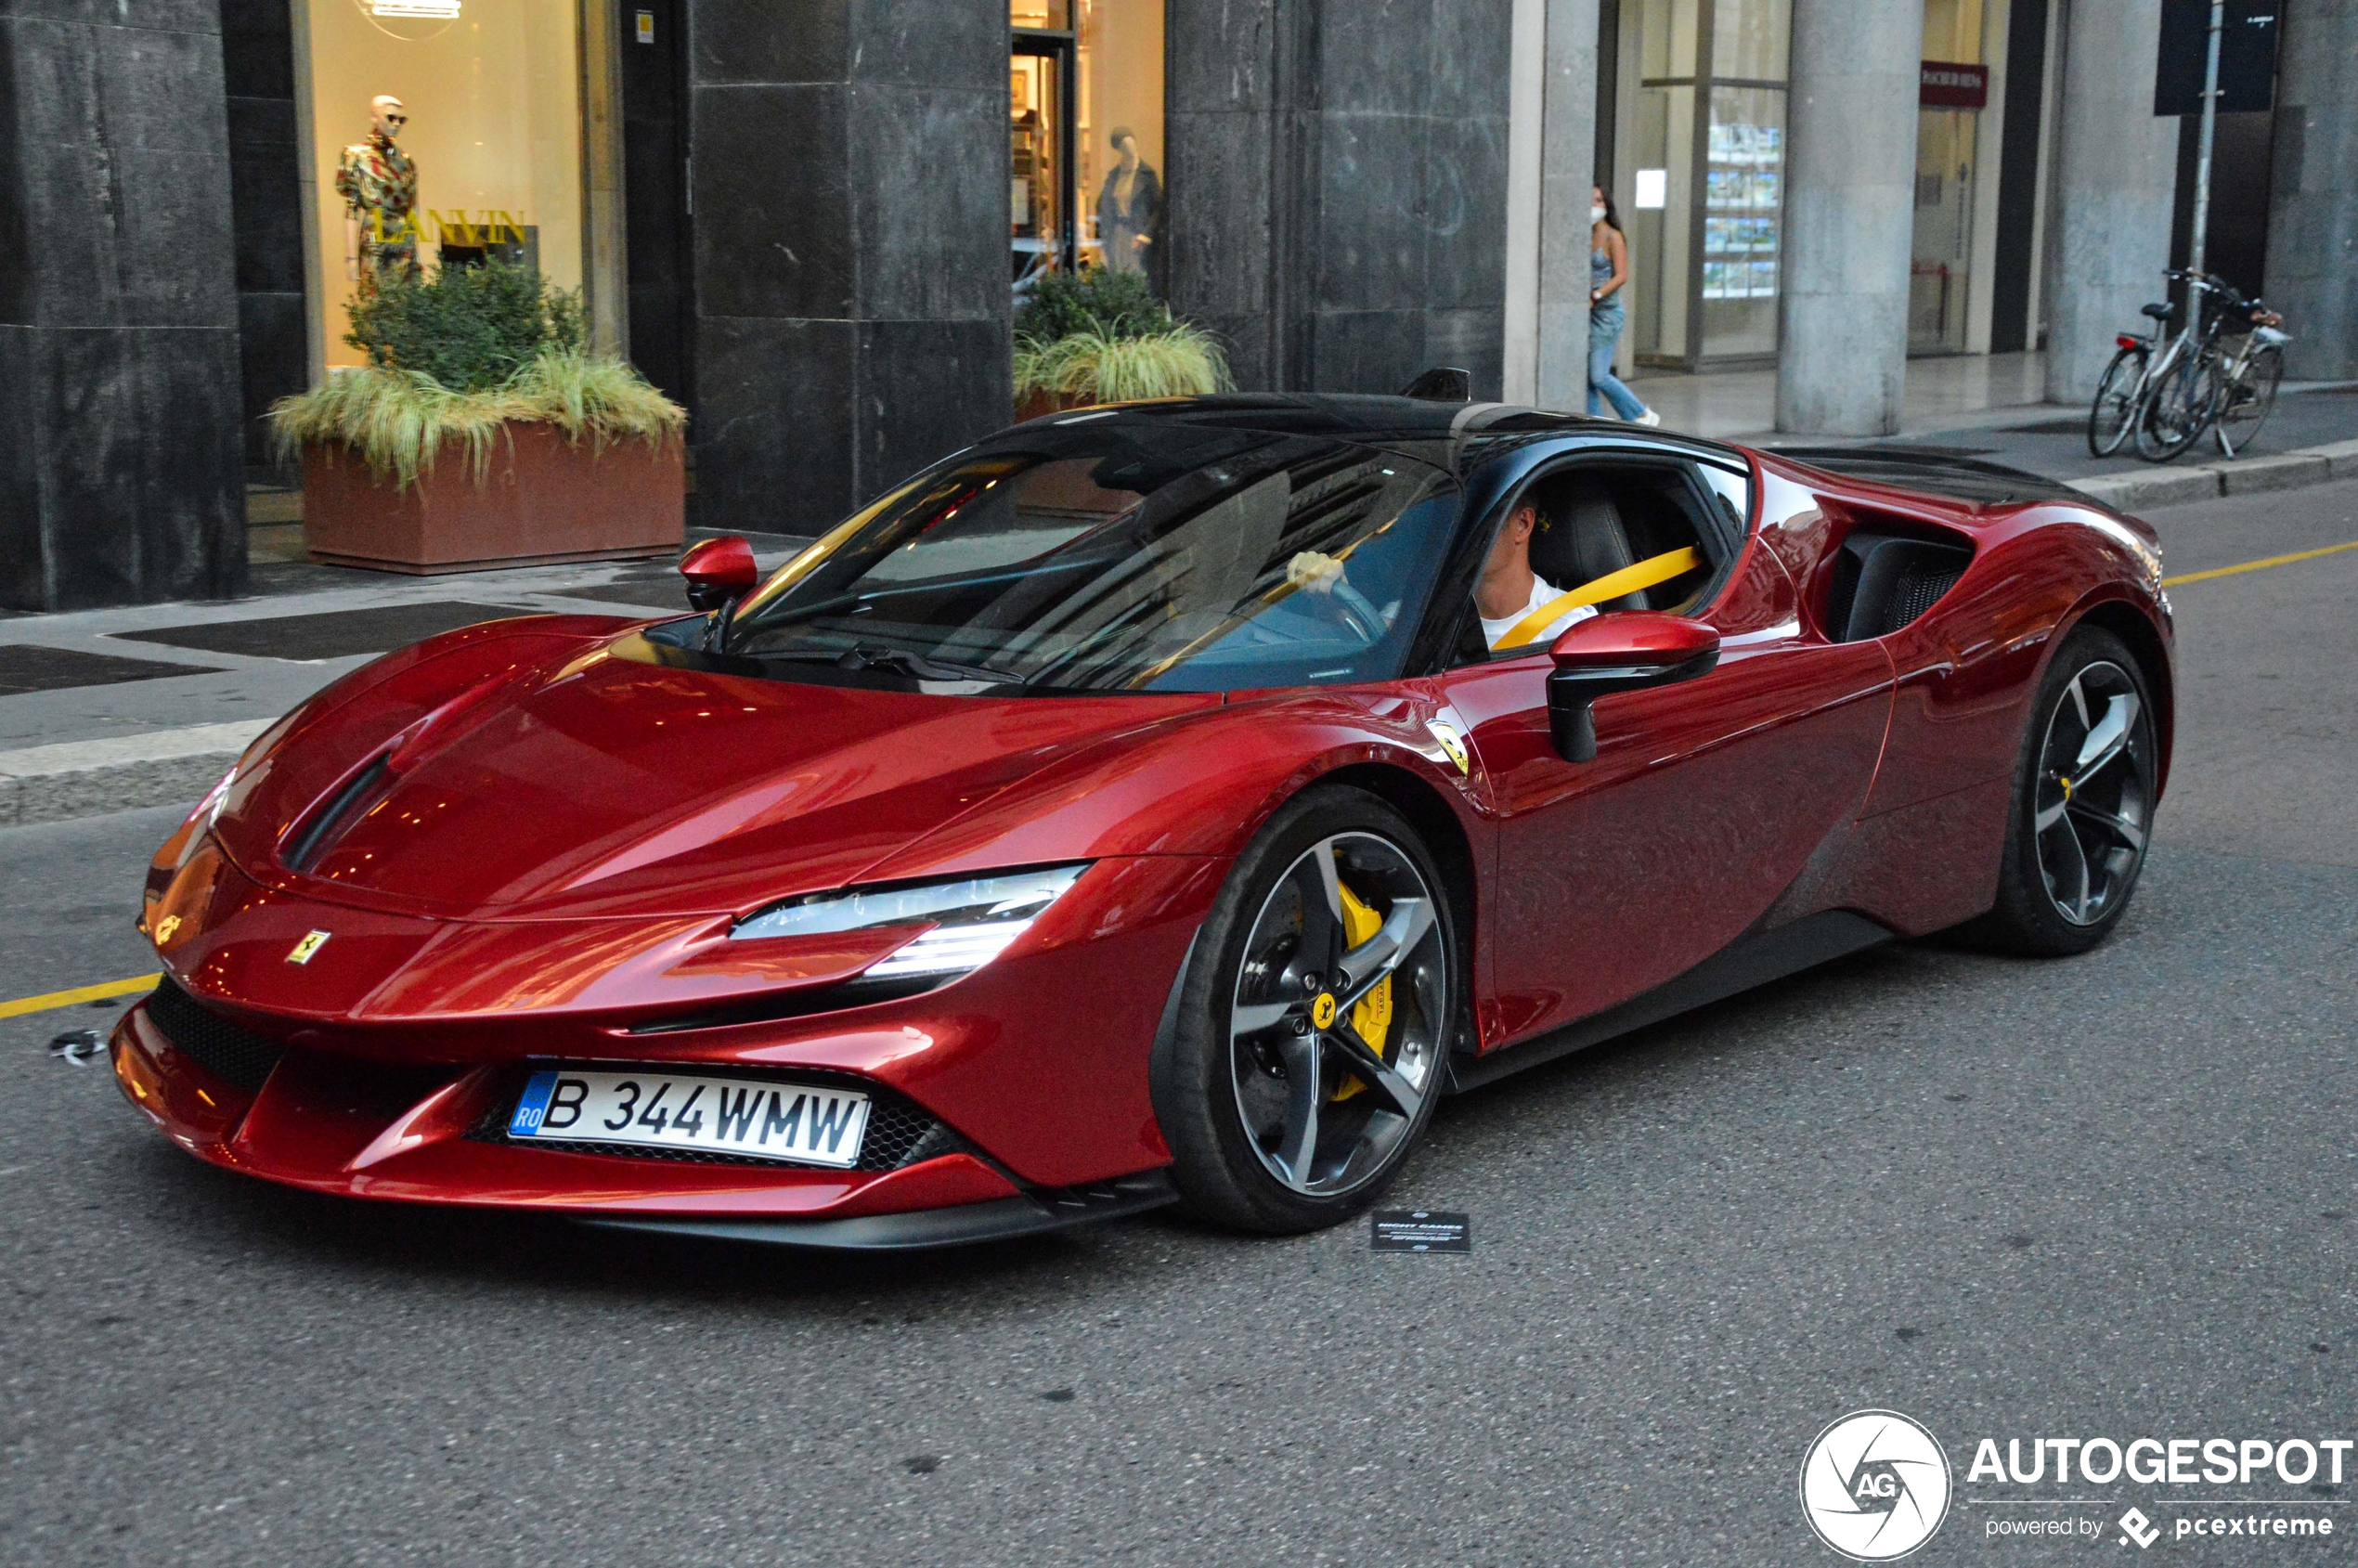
(899, 1133)
(234, 1055)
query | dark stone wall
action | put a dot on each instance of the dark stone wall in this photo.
(1338, 186)
(121, 471)
(849, 183)
(2312, 206)
(265, 205)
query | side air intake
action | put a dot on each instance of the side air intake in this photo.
(1883, 581)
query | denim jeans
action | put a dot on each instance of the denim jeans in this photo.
(1605, 322)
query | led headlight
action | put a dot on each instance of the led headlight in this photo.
(972, 921)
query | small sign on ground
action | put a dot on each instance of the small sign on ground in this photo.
(1421, 1230)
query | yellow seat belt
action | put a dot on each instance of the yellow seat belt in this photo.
(1613, 585)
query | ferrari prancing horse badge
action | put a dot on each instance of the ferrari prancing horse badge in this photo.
(312, 942)
(1452, 744)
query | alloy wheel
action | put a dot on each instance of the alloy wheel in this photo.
(1339, 1016)
(2094, 794)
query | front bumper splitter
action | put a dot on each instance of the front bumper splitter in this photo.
(1032, 1214)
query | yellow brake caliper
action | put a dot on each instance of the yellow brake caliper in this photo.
(1371, 1015)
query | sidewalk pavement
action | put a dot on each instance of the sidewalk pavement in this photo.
(107, 710)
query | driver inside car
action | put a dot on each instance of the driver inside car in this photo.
(1507, 593)
(1510, 591)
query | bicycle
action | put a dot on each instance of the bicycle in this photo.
(2208, 388)
(2247, 387)
(2167, 390)
(2127, 382)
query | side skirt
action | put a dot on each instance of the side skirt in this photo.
(1743, 964)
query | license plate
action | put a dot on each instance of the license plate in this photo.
(766, 1120)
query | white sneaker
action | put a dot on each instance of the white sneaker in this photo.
(1648, 417)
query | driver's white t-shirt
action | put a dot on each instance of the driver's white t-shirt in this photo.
(1542, 590)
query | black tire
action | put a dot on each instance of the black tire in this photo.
(2114, 412)
(2107, 814)
(1204, 1072)
(2183, 403)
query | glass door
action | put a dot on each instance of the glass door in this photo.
(1042, 237)
(1707, 226)
(1941, 256)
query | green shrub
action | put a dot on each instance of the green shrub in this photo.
(1114, 305)
(468, 328)
(1181, 361)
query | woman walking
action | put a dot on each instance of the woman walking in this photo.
(1608, 271)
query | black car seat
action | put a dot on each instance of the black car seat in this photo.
(1582, 538)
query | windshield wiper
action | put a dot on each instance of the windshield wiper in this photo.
(872, 656)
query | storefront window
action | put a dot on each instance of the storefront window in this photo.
(442, 131)
(1705, 277)
(1941, 257)
(1086, 136)
(1749, 39)
(1743, 194)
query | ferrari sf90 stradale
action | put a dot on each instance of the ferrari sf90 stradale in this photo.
(1169, 801)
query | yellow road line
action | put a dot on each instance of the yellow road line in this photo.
(42, 1003)
(2260, 565)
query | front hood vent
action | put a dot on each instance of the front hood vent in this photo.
(318, 831)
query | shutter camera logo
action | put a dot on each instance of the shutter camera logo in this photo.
(1874, 1485)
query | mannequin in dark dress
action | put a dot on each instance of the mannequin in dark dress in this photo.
(1130, 209)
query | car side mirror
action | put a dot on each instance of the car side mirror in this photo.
(720, 571)
(1625, 651)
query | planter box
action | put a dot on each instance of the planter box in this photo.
(1037, 405)
(541, 499)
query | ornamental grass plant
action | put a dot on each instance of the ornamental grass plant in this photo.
(454, 358)
(1098, 367)
(1101, 336)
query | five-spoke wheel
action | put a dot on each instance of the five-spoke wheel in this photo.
(1315, 1020)
(1336, 1023)
(2084, 803)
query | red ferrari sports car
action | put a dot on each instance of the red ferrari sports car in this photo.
(1150, 803)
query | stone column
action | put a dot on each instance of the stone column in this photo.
(2116, 182)
(1851, 117)
(1551, 165)
(265, 187)
(850, 198)
(1339, 187)
(121, 476)
(2313, 207)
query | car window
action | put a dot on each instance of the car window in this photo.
(1108, 559)
(1636, 528)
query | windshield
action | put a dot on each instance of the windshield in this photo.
(1123, 556)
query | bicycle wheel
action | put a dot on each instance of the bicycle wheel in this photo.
(2248, 399)
(2180, 409)
(2113, 414)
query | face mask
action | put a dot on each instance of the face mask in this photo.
(1595, 214)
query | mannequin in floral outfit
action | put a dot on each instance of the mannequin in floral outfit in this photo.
(379, 185)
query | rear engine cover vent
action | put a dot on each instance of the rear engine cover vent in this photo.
(1883, 581)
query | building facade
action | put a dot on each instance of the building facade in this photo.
(810, 220)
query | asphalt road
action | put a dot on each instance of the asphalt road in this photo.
(2111, 1196)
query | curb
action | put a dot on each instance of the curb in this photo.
(50, 784)
(2173, 487)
